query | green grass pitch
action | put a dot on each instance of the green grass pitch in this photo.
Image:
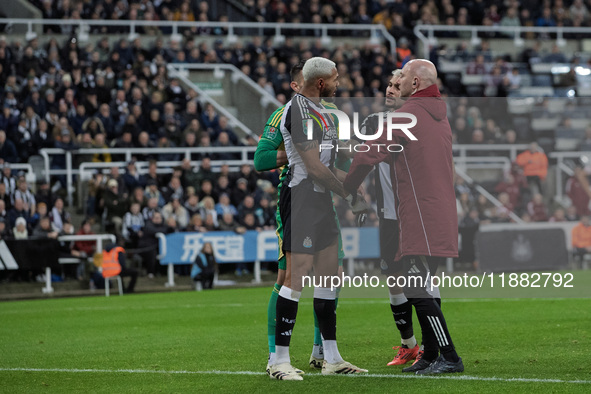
(193, 341)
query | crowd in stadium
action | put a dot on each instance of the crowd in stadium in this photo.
(70, 96)
(397, 16)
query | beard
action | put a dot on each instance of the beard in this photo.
(327, 95)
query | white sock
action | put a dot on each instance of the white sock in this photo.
(410, 342)
(398, 299)
(318, 351)
(281, 355)
(331, 352)
(272, 357)
(290, 294)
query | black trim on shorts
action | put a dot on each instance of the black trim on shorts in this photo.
(309, 223)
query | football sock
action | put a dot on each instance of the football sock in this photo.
(435, 333)
(325, 308)
(272, 357)
(318, 351)
(331, 352)
(271, 311)
(402, 312)
(317, 334)
(287, 310)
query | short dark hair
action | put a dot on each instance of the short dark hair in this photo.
(296, 69)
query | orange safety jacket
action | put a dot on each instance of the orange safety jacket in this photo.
(533, 164)
(111, 266)
(581, 236)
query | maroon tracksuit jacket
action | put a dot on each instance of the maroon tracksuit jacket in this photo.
(422, 178)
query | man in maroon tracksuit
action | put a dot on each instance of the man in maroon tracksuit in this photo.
(422, 180)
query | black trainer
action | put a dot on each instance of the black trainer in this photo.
(418, 366)
(441, 365)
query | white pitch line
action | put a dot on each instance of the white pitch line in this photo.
(254, 373)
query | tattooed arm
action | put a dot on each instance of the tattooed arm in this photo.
(308, 150)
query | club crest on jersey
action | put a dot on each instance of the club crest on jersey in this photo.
(330, 133)
(307, 242)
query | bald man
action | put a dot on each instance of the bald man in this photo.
(422, 177)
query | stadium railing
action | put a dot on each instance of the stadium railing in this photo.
(70, 171)
(512, 32)
(98, 238)
(511, 149)
(240, 90)
(377, 32)
(486, 194)
(244, 151)
(176, 72)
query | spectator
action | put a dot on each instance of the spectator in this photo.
(513, 189)
(150, 208)
(5, 197)
(581, 238)
(224, 206)
(224, 142)
(148, 242)
(18, 211)
(210, 120)
(239, 192)
(133, 224)
(207, 190)
(99, 143)
(138, 196)
(23, 193)
(477, 67)
(208, 212)
(20, 230)
(537, 209)
(42, 138)
(5, 231)
(58, 215)
(268, 214)
(204, 268)
(173, 188)
(224, 127)
(115, 205)
(535, 166)
(44, 229)
(577, 188)
(83, 249)
(192, 205)
(558, 216)
(247, 173)
(228, 223)
(177, 211)
(196, 224)
(205, 172)
(152, 192)
(132, 177)
(7, 149)
(3, 211)
(7, 178)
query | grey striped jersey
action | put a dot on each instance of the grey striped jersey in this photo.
(301, 113)
(384, 193)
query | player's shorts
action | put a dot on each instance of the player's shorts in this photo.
(389, 232)
(308, 217)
